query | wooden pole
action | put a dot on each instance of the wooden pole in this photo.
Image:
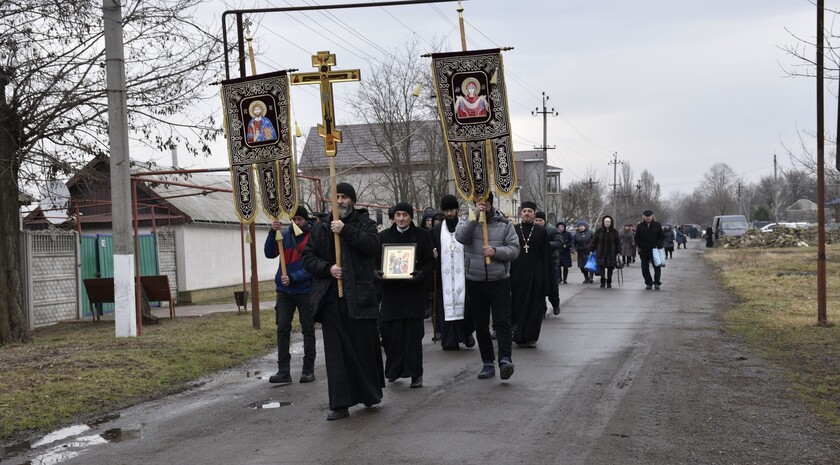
(337, 239)
(822, 318)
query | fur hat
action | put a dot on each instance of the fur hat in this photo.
(448, 202)
(528, 204)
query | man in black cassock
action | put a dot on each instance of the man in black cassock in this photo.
(452, 316)
(403, 304)
(351, 340)
(530, 278)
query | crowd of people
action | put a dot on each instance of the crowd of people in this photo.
(485, 276)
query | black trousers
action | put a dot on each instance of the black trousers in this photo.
(485, 298)
(285, 312)
(647, 261)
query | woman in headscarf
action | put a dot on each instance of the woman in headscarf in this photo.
(565, 251)
(606, 244)
(583, 241)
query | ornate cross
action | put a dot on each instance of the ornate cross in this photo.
(325, 76)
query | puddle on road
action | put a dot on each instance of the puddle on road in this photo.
(66, 451)
(269, 404)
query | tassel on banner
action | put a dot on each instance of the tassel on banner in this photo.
(296, 229)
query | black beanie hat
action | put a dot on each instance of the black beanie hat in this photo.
(448, 202)
(404, 207)
(301, 211)
(540, 215)
(391, 212)
(528, 204)
(346, 189)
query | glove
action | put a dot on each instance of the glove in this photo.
(416, 276)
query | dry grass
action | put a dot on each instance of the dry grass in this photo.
(777, 316)
(75, 371)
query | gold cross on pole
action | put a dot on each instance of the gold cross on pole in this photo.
(325, 76)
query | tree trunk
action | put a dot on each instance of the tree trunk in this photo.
(13, 327)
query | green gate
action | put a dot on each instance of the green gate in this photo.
(97, 259)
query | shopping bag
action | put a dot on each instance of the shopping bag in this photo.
(658, 257)
(591, 263)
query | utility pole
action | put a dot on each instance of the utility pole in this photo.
(740, 204)
(125, 314)
(544, 112)
(822, 317)
(615, 162)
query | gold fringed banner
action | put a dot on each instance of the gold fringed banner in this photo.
(257, 123)
(472, 102)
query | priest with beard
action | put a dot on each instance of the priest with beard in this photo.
(530, 278)
(352, 353)
(452, 316)
(403, 303)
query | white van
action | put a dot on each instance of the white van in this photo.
(729, 225)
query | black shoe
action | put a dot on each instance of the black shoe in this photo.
(470, 341)
(338, 414)
(307, 377)
(416, 381)
(556, 310)
(609, 285)
(449, 347)
(603, 284)
(648, 287)
(487, 372)
(506, 368)
(656, 286)
(391, 380)
(282, 378)
(586, 281)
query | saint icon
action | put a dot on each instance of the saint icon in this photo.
(471, 104)
(260, 128)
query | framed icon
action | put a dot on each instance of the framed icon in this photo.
(398, 260)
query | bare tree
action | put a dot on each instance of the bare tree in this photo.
(53, 105)
(719, 184)
(403, 127)
(585, 199)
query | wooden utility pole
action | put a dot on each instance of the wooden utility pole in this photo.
(822, 319)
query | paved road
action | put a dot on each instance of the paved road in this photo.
(621, 376)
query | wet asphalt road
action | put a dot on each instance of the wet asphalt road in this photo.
(566, 403)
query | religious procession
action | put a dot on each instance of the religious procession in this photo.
(480, 277)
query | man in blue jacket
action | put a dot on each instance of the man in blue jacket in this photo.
(293, 290)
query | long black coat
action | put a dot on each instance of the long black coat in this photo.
(359, 250)
(606, 243)
(402, 298)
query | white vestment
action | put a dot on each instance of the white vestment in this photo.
(452, 275)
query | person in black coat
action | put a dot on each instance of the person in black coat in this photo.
(351, 340)
(403, 304)
(648, 237)
(565, 252)
(606, 244)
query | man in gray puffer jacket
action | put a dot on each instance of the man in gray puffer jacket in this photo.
(488, 285)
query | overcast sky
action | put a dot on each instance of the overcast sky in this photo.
(671, 86)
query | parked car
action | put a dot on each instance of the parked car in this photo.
(772, 226)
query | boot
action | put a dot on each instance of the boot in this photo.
(603, 282)
(609, 283)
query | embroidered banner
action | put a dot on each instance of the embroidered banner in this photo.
(257, 116)
(472, 102)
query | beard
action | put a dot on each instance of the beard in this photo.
(343, 211)
(451, 223)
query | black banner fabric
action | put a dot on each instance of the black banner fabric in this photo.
(472, 102)
(257, 122)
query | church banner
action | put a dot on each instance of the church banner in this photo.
(472, 101)
(257, 123)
